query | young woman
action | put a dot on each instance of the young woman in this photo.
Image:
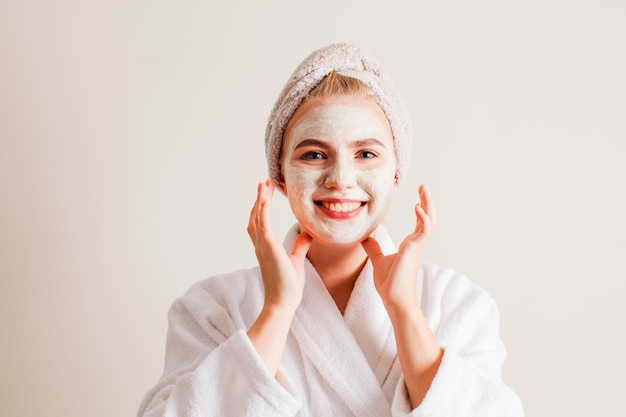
(335, 321)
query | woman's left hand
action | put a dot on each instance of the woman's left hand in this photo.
(395, 275)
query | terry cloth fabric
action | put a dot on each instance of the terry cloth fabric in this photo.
(351, 61)
(333, 364)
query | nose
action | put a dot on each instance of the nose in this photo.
(340, 175)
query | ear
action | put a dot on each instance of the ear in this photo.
(280, 184)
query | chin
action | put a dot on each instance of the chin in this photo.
(342, 235)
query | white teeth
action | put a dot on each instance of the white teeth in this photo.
(341, 207)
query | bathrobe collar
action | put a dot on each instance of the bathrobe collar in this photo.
(354, 352)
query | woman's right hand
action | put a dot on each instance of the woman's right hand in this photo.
(283, 274)
(283, 279)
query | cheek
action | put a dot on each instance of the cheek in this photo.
(378, 183)
(301, 183)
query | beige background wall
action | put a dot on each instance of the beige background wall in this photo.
(131, 144)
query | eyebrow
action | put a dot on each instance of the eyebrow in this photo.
(368, 142)
(311, 142)
(321, 144)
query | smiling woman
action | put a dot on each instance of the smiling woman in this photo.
(336, 321)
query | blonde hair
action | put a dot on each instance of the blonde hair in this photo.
(335, 84)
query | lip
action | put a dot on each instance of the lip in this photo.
(339, 215)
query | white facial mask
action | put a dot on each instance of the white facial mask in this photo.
(344, 196)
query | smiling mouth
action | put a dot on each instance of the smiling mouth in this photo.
(341, 207)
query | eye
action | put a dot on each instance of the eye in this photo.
(366, 155)
(313, 155)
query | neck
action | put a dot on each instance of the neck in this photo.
(338, 267)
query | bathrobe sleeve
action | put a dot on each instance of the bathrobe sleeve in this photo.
(468, 383)
(211, 367)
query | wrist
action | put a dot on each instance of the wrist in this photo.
(401, 308)
(400, 299)
(275, 311)
(282, 302)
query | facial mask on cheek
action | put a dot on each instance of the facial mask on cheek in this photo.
(301, 184)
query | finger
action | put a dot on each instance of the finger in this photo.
(424, 223)
(267, 190)
(424, 196)
(372, 248)
(427, 203)
(268, 186)
(301, 245)
(252, 221)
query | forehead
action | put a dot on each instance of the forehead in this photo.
(338, 118)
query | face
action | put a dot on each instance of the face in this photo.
(339, 168)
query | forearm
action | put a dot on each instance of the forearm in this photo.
(418, 350)
(269, 333)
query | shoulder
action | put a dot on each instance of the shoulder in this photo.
(448, 285)
(450, 300)
(232, 297)
(237, 284)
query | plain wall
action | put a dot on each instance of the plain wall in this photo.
(131, 144)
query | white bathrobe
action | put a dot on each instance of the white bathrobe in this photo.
(333, 365)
